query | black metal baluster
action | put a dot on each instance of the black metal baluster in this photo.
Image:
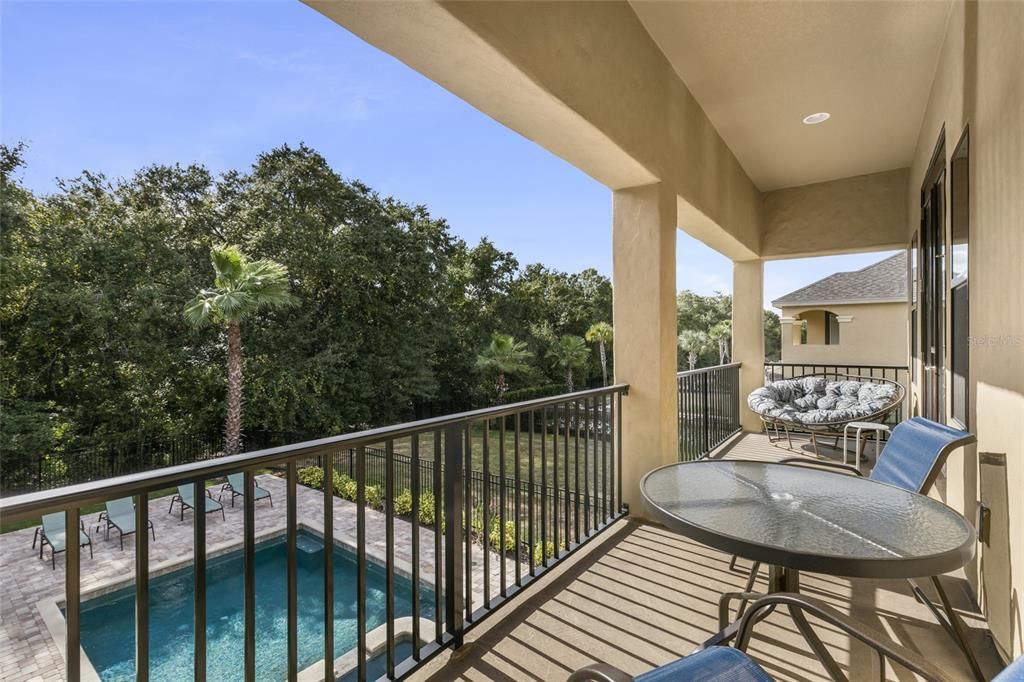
(544, 485)
(389, 535)
(502, 501)
(468, 521)
(576, 467)
(530, 503)
(555, 505)
(414, 483)
(589, 508)
(329, 568)
(679, 417)
(199, 581)
(142, 587)
(72, 593)
(617, 434)
(438, 558)
(609, 466)
(453, 531)
(249, 575)
(293, 572)
(486, 516)
(361, 614)
(567, 519)
(518, 501)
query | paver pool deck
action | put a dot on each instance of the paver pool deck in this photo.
(27, 583)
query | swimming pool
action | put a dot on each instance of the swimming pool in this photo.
(108, 621)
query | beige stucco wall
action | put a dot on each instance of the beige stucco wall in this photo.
(863, 213)
(979, 82)
(643, 261)
(748, 332)
(875, 335)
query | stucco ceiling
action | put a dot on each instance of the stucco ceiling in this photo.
(758, 68)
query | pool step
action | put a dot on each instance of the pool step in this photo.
(310, 551)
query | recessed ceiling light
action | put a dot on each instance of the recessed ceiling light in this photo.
(820, 117)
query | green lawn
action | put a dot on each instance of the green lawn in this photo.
(590, 453)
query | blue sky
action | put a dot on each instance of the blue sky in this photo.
(113, 86)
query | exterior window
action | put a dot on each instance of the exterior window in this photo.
(959, 348)
(831, 329)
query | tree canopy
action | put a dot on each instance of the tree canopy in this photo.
(394, 308)
(712, 315)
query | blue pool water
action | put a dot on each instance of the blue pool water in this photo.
(108, 622)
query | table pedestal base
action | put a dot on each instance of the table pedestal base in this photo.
(780, 579)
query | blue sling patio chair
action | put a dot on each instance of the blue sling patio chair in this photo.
(187, 500)
(912, 459)
(236, 484)
(726, 664)
(120, 515)
(52, 533)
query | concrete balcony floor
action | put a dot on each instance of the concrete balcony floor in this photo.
(641, 596)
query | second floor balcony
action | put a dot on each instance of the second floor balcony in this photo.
(487, 545)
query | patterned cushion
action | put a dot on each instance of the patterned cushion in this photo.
(816, 400)
(715, 664)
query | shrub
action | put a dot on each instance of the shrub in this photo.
(510, 536)
(374, 498)
(476, 523)
(403, 503)
(311, 477)
(548, 549)
(427, 517)
(345, 487)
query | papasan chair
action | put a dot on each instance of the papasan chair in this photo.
(823, 406)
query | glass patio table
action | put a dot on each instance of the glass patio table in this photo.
(798, 518)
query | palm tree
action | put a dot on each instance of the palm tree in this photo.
(240, 289)
(720, 334)
(694, 343)
(504, 356)
(569, 353)
(601, 333)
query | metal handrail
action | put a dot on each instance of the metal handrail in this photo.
(33, 504)
(570, 515)
(702, 370)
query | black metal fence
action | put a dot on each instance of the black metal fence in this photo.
(563, 455)
(708, 403)
(775, 371)
(110, 456)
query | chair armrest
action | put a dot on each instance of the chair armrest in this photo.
(804, 461)
(600, 672)
(872, 637)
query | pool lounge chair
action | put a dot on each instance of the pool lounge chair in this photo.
(187, 501)
(236, 484)
(120, 514)
(52, 533)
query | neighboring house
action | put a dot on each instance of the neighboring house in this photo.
(857, 318)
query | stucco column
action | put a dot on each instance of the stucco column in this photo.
(644, 280)
(748, 332)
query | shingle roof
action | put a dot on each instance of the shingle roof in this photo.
(883, 281)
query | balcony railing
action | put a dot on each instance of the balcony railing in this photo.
(708, 403)
(557, 462)
(773, 371)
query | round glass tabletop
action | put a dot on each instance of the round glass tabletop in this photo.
(809, 519)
